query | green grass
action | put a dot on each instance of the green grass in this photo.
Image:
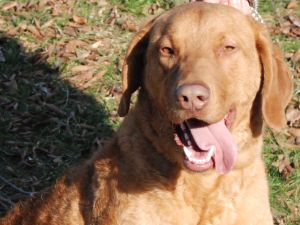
(51, 118)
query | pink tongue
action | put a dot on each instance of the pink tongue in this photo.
(219, 136)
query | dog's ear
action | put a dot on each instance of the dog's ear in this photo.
(277, 82)
(133, 66)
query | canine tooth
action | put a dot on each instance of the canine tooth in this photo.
(187, 152)
(212, 151)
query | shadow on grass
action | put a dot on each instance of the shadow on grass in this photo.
(46, 124)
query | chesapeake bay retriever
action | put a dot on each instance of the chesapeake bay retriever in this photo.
(189, 152)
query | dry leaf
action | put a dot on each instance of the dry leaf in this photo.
(72, 24)
(82, 68)
(71, 46)
(49, 33)
(295, 31)
(130, 26)
(81, 78)
(292, 115)
(37, 23)
(285, 27)
(94, 79)
(292, 5)
(295, 20)
(84, 29)
(284, 166)
(22, 26)
(97, 44)
(296, 56)
(82, 53)
(32, 29)
(47, 24)
(80, 20)
(71, 31)
(9, 6)
(57, 10)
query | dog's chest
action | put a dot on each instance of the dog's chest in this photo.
(157, 208)
(201, 205)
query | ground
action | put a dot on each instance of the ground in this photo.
(60, 64)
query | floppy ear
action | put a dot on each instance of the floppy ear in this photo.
(277, 82)
(133, 66)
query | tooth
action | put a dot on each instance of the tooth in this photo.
(182, 127)
(187, 152)
(186, 136)
(189, 142)
(212, 151)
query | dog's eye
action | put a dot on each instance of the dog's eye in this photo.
(229, 48)
(167, 51)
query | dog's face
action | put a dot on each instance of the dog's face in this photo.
(208, 68)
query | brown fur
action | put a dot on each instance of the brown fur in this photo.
(139, 177)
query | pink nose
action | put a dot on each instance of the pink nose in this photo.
(192, 96)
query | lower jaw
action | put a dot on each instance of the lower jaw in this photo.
(198, 167)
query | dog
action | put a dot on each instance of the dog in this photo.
(189, 151)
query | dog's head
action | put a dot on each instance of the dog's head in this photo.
(212, 72)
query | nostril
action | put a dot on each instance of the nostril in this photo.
(202, 98)
(192, 96)
(185, 98)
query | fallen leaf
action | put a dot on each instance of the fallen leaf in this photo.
(295, 31)
(49, 23)
(130, 26)
(32, 29)
(81, 78)
(37, 23)
(72, 24)
(292, 115)
(296, 56)
(49, 33)
(82, 53)
(292, 5)
(71, 46)
(84, 29)
(71, 31)
(82, 68)
(295, 20)
(80, 20)
(284, 166)
(97, 44)
(22, 26)
(9, 6)
(285, 27)
(94, 79)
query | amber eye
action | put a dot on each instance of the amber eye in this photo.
(167, 51)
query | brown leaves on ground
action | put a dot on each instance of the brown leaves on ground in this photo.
(285, 167)
(290, 25)
(9, 5)
(294, 4)
(75, 40)
(79, 20)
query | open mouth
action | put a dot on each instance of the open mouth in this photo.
(207, 146)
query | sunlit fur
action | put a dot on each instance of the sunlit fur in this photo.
(139, 178)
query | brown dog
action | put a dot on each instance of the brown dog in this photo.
(189, 153)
